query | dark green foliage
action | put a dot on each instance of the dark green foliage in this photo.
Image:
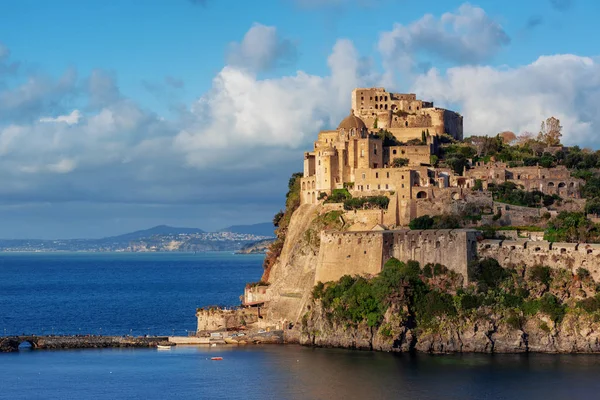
(469, 301)
(433, 304)
(368, 202)
(277, 218)
(509, 193)
(424, 222)
(591, 304)
(388, 138)
(487, 272)
(583, 273)
(446, 221)
(552, 307)
(427, 271)
(540, 274)
(530, 307)
(572, 227)
(338, 196)
(592, 206)
(478, 186)
(439, 269)
(400, 162)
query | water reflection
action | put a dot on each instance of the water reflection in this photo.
(293, 372)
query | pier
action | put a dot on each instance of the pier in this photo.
(12, 343)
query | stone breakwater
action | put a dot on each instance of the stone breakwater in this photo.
(11, 343)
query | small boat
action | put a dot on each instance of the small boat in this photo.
(216, 358)
(163, 347)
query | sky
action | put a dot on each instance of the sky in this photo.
(121, 115)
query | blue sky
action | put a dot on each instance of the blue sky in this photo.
(116, 116)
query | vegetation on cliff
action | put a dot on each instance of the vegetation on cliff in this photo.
(510, 193)
(282, 220)
(432, 299)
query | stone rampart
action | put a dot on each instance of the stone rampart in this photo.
(364, 253)
(556, 255)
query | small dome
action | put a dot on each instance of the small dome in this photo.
(352, 121)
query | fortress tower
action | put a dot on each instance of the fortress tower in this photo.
(403, 114)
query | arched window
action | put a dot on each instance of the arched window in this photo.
(406, 123)
(422, 195)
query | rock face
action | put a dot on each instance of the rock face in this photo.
(576, 334)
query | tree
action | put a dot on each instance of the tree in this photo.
(550, 132)
(400, 162)
(507, 137)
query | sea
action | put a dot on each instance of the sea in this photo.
(157, 294)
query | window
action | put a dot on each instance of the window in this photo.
(367, 187)
(403, 187)
(387, 174)
(378, 186)
(394, 151)
(362, 152)
(376, 174)
(386, 186)
(363, 176)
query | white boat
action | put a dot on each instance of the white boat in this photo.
(163, 347)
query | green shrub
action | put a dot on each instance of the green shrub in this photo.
(582, 273)
(424, 222)
(540, 274)
(488, 273)
(400, 162)
(530, 307)
(368, 202)
(468, 301)
(591, 304)
(552, 307)
(338, 196)
(428, 271)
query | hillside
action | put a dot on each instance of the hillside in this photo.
(262, 229)
(161, 238)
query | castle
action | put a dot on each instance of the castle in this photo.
(356, 157)
(386, 147)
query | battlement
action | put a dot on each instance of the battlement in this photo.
(538, 252)
(365, 253)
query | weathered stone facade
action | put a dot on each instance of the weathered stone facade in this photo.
(557, 255)
(555, 180)
(403, 114)
(364, 253)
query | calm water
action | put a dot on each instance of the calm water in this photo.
(117, 293)
(160, 291)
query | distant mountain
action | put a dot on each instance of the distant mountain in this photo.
(262, 229)
(157, 230)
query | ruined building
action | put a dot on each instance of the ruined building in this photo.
(403, 114)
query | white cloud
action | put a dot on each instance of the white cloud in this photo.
(69, 119)
(261, 49)
(62, 166)
(242, 112)
(467, 36)
(518, 99)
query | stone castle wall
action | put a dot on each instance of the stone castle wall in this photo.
(364, 253)
(526, 252)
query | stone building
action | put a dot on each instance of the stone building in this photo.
(555, 180)
(337, 155)
(404, 115)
